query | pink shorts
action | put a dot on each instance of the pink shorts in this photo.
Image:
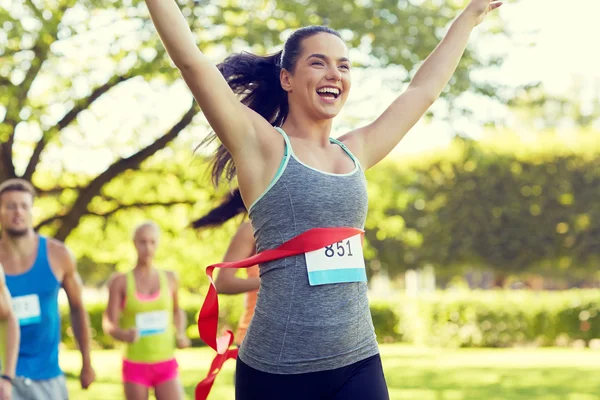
(149, 375)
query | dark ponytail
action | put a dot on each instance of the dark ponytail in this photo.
(256, 80)
(229, 208)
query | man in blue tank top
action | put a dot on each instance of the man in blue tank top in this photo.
(9, 340)
(36, 268)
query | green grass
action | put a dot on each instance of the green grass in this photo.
(411, 373)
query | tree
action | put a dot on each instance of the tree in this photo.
(475, 206)
(577, 107)
(480, 206)
(103, 239)
(64, 62)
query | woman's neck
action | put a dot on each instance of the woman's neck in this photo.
(143, 267)
(309, 129)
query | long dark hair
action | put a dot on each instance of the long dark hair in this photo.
(256, 80)
(231, 206)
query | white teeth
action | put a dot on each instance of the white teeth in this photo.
(329, 90)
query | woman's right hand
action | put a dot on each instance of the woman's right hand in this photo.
(131, 335)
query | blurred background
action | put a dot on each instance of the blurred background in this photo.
(483, 227)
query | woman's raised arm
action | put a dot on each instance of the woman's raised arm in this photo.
(232, 121)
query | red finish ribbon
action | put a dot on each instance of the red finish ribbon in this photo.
(208, 320)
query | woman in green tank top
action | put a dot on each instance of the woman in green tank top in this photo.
(143, 312)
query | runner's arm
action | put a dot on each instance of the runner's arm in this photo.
(112, 314)
(12, 328)
(73, 286)
(242, 246)
(205, 81)
(179, 317)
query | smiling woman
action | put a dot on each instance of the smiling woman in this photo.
(311, 336)
(258, 81)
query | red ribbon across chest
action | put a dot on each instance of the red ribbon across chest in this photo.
(208, 319)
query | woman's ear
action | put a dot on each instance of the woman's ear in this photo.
(285, 78)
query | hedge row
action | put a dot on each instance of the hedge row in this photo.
(501, 318)
(450, 319)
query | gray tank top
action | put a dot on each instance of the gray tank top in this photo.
(298, 328)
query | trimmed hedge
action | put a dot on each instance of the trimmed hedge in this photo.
(502, 318)
(449, 319)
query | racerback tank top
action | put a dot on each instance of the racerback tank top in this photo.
(299, 328)
(154, 320)
(35, 301)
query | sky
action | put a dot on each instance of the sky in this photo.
(566, 45)
(552, 41)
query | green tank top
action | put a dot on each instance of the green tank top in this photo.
(154, 320)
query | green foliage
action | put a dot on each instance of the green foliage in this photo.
(393, 32)
(499, 318)
(82, 118)
(503, 207)
(478, 205)
(99, 338)
(230, 310)
(386, 322)
(538, 109)
(502, 319)
(104, 244)
(448, 319)
(414, 373)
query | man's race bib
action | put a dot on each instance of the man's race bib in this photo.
(339, 262)
(27, 309)
(151, 323)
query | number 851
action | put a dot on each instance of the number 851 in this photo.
(340, 249)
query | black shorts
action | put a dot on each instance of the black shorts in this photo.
(363, 380)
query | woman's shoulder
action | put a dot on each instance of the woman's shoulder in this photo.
(116, 281)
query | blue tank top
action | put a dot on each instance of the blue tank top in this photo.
(35, 300)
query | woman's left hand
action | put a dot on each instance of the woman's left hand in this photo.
(480, 8)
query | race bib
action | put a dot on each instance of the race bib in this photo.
(339, 262)
(151, 323)
(27, 309)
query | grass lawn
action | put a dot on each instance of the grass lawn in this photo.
(411, 373)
